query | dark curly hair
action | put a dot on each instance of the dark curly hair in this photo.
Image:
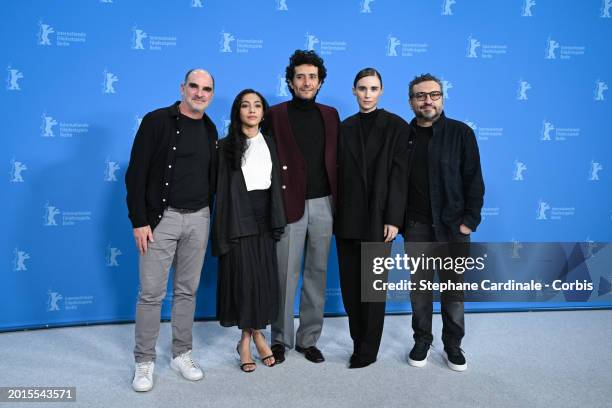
(234, 144)
(301, 57)
(422, 78)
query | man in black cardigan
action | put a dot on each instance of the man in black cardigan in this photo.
(445, 196)
(170, 185)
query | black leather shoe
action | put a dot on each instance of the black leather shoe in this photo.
(278, 350)
(359, 363)
(311, 353)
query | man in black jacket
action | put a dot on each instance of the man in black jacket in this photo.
(445, 196)
(170, 185)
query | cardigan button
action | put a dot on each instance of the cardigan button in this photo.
(284, 167)
(284, 187)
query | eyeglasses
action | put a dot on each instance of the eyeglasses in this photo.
(421, 96)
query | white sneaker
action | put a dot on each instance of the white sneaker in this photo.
(143, 376)
(188, 368)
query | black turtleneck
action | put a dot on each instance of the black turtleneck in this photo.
(309, 133)
(366, 121)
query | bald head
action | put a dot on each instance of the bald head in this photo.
(199, 71)
(197, 92)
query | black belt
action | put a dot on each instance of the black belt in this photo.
(183, 210)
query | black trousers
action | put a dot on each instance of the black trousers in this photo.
(366, 319)
(453, 324)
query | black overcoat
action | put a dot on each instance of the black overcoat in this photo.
(372, 176)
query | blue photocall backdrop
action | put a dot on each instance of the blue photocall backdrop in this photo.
(531, 78)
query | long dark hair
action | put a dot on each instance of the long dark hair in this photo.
(234, 144)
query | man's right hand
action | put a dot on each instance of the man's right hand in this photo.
(142, 236)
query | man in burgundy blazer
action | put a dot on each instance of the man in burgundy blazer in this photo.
(306, 135)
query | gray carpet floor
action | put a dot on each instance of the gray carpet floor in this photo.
(528, 359)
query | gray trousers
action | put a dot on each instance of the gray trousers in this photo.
(179, 240)
(312, 235)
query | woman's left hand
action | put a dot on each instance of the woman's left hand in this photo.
(465, 230)
(390, 232)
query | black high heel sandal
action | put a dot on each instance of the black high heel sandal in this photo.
(266, 358)
(243, 366)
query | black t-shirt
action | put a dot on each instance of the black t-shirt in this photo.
(309, 133)
(419, 202)
(189, 186)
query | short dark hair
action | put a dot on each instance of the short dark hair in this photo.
(301, 57)
(235, 144)
(367, 72)
(198, 69)
(422, 78)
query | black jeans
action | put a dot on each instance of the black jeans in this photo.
(453, 324)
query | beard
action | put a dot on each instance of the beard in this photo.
(432, 115)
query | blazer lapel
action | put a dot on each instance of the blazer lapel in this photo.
(288, 137)
(354, 141)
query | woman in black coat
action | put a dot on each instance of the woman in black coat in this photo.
(372, 182)
(249, 219)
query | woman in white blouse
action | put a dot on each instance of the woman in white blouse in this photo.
(249, 219)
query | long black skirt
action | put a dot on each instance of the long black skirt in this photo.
(247, 283)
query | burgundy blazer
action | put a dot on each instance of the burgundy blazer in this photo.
(293, 168)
